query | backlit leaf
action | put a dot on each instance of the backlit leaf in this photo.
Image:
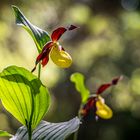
(4, 134)
(23, 95)
(49, 131)
(78, 79)
(39, 36)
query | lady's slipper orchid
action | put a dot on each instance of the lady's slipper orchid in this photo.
(97, 103)
(56, 52)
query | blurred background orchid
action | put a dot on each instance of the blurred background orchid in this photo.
(94, 102)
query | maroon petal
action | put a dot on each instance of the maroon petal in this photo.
(45, 52)
(72, 27)
(45, 60)
(102, 88)
(56, 34)
(44, 55)
(116, 80)
(90, 104)
(47, 45)
(33, 69)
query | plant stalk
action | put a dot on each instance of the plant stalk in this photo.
(39, 70)
(75, 136)
(29, 124)
(29, 132)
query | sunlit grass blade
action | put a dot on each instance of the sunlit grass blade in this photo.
(78, 79)
(39, 36)
(50, 131)
(5, 134)
(23, 95)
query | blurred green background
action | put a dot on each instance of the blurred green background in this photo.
(106, 45)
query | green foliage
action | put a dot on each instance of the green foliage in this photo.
(23, 95)
(49, 131)
(39, 36)
(78, 79)
(4, 134)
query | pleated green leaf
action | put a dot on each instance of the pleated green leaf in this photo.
(4, 134)
(39, 36)
(78, 79)
(23, 95)
(49, 131)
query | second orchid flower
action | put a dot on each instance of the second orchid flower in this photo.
(97, 103)
(93, 102)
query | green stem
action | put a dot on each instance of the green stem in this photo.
(75, 137)
(30, 123)
(29, 132)
(39, 71)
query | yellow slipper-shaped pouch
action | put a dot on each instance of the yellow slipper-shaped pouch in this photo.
(103, 111)
(60, 57)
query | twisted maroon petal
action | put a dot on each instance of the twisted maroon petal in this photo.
(45, 52)
(90, 104)
(116, 80)
(45, 60)
(57, 33)
(44, 55)
(103, 87)
(72, 27)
